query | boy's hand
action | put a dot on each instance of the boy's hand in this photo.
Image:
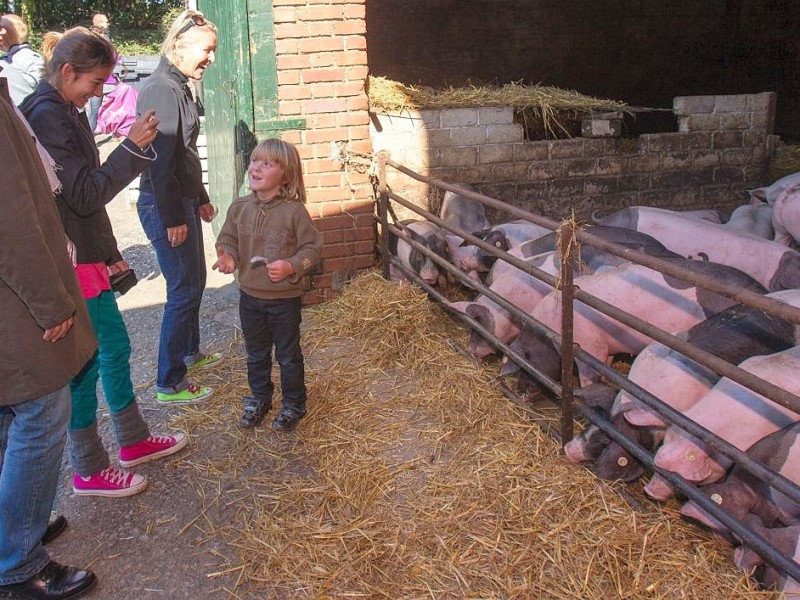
(280, 269)
(225, 264)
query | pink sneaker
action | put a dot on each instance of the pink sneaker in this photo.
(111, 482)
(152, 448)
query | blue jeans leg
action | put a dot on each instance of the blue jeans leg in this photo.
(32, 435)
(184, 270)
(274, 322)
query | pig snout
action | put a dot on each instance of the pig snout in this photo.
(429, 274)
(575, 450)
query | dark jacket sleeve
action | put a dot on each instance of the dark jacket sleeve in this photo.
(84, 189)
(163, 171)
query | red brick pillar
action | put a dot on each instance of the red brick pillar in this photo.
(322, 70)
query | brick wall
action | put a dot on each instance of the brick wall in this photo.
(720, 150)
(322, 68)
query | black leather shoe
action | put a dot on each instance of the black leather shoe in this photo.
(54, 582)
(255, 410)
(286, 420)
(56, 526)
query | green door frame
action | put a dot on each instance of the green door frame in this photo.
(249, 82)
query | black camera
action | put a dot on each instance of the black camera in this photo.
(123, 281)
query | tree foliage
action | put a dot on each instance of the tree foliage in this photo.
(124, 14)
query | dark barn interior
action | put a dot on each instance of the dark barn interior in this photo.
(638, 51)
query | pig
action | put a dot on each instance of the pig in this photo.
(524, 291)
(753, 218)
(473, 259)
(787, 540)
(733, 413)
(625, 237)
(588, 444)
(733, 335)
(431, 236)
(742, 493)
(468, 215)
(593, 442)
(786, 215)
(662, 301)
(770, 193)
(774, 265)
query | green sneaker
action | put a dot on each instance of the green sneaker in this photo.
(193, 393)
(204, 361)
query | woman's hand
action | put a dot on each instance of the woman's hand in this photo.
(207, 212)
(177, 235)
(118, 267)
(144, 130)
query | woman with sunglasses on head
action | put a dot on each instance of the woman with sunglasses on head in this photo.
(173, 200)
(80, 63)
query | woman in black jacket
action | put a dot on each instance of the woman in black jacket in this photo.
(81, 62)
(173, 200)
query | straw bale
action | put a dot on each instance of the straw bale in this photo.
(413, 477)
(785, 162)
(545, 111)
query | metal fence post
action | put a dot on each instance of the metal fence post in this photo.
(566, 247)
(383, 213)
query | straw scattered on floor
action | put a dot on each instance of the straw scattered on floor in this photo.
(412, 477)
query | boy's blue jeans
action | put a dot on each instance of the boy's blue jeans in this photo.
(32, 437)
(268, 323)
(184, 268)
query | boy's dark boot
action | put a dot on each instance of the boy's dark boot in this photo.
(288, 418)
(254, 411)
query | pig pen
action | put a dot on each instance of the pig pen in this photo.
(413, 477)
(570, 234)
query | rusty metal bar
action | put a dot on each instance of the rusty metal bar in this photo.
(566, 247)
(383, 214)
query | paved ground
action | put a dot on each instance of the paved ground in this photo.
(142, 547)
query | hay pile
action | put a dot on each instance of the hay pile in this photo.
(412, 477)
(785, 162)
(545, 111)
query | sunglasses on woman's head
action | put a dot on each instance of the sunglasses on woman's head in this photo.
(196, 20)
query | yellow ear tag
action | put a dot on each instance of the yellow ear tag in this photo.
(622, 461)
(716, 498)
(690, 456)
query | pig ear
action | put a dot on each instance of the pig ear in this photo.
(757, 196)
(640, 417)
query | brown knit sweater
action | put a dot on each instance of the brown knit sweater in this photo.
(278, 229)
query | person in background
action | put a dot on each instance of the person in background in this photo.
(45, 339)
(80, 64)
(173, 200)
(270, 238)
(21, 65)
(100, 26)
(49, 41)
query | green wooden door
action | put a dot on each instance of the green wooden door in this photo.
(228, 98)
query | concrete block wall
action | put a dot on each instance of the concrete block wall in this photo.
(721, 149)
(322, 70)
